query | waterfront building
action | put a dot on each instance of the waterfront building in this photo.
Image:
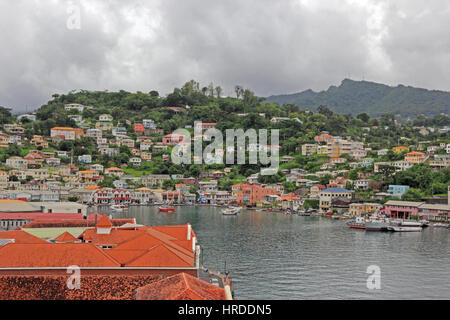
(357, 209)
(252, 194)
(326, 196)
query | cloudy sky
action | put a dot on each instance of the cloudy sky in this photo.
(272, 47)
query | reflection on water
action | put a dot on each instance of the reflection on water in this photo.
(274, 256)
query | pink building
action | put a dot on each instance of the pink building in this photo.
(173, 138)
(402, 209)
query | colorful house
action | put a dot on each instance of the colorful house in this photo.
(415, 157)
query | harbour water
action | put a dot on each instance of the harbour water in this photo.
(276, 256)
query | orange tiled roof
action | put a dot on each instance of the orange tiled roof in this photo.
(20, 236)
(16, 255)
(114, 168)
(180, 287)
(65, 237)
(38, 287)
(104, 222)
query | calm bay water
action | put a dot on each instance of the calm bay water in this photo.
(274, 256)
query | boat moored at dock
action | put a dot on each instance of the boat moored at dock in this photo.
(357, 223)
(404, 229)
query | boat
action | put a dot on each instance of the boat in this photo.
(406, 223)
(404, 229)
(305, 213)
(166, 209)
(441, 225)
(424, 223)
(377, 224)
(231, 211)
(119, 207)
(358, 223)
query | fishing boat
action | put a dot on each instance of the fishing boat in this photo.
(231, 211)
(358, 223)
(404, 229)
(166, 209)
(119, 207)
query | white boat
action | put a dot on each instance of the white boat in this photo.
(404, 229)
(231, 211)
(119, 208)
(406, 223)
(441, 225)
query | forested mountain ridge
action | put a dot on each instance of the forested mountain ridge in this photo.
(355, 97)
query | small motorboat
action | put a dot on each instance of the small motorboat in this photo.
(119, 208)
(404, 229)
(166, 209)
(231, 211)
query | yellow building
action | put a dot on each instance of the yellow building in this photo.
(357, 209)
(400, 149)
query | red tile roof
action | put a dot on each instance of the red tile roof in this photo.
(65, 238)
(40, 287)
(180, 287)
(40, 216)
(104, 222)
(78, 223)
(20, 236)
(62, 255)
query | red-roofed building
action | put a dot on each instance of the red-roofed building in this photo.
(19, 236)
(113, 262)
(139, 128)
(172, 139)
(180, 287)
(65, 237)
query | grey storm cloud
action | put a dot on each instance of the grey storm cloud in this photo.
(268, 46)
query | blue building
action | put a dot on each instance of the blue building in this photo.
(397, 190)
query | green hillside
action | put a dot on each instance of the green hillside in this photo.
(355, 97)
